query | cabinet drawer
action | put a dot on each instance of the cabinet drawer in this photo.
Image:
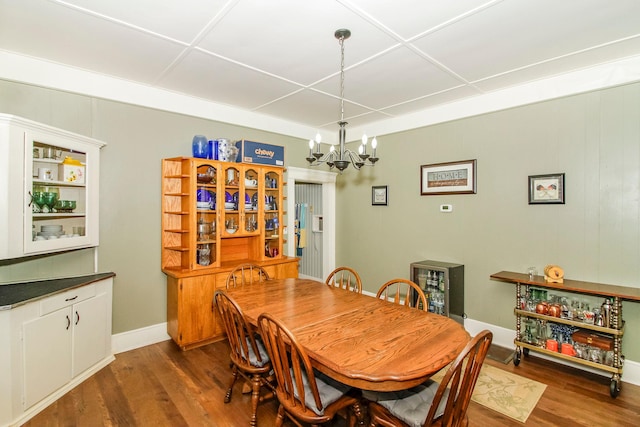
(67, 298)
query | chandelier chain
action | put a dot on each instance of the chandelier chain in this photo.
(342, 78)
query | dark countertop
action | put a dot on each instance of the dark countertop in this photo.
(15, 294)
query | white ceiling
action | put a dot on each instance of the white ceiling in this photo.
(280, 58)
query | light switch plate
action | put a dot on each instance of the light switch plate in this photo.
(446, 208)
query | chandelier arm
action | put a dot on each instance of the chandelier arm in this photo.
(355, 159)
(331, 155)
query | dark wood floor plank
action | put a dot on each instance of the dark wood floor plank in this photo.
(160, 385)
(118, 411)
(190, 399)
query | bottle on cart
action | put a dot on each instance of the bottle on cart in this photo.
(441, 281)
(605, 312)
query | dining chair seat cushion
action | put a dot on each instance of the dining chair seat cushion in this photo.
(329, 389)
(412, 405)
(264, 356)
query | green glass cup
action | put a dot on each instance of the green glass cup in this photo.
(49, 200)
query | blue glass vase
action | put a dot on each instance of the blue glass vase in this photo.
(200, 147)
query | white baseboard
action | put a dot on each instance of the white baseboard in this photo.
(137, 338)
(502, 337)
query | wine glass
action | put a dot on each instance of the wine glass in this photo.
(37, 201)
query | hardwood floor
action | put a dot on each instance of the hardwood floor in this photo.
(160, 385)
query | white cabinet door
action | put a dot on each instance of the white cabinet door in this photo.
(90, 333)
(47, 354)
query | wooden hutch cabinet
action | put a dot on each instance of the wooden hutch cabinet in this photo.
(215, 216)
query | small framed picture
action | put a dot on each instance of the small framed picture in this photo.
(546, 189)
(379, 195)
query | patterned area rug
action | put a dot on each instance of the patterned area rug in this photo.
(504, 392)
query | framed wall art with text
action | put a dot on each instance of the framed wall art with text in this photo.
(448, 178)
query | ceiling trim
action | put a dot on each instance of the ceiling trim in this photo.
(24, 69)
(35, 71)
(602, 76)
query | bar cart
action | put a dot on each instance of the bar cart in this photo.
(605, 334)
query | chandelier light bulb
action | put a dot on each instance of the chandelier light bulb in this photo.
(311, 144)
(360, 149)
(374, 143)
(364, 139)
(332, 148)
(318, 138)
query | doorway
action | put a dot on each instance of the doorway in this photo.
(309, 228)
(324, 185)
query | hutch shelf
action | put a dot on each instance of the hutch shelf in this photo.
(598, 338)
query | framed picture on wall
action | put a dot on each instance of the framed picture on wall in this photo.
(546, 189)
(448, 178)
(379, 195)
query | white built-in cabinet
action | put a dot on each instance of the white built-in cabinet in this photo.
(51, 345)
(37, 159)
(72, 333)
(53, 342)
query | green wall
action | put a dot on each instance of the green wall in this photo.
(593, 138)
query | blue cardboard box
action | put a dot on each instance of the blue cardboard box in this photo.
(260, 153)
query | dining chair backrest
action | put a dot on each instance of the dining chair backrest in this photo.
(345, 278)
(445, 405)
(303, 395)
(246, 274)
(290, 364)
(248, 357)
(240, 333)
(404, 292)
(459, 382)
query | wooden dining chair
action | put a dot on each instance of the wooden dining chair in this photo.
(249, 358)
(403, 292)
(246, 274)
(430, 403)
(345, 278)
(305, 395)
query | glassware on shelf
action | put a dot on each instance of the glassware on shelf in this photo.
(422, 279)
(541, 329)
(530, 334)
(37, 202)
(200, 146)
(49, 199)
(205, 230)
(204, 254)
(252, 223)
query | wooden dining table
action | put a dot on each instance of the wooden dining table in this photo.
(359, 340)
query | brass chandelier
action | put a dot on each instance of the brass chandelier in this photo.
(343, 157)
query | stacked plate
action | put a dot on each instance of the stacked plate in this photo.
(51, 230)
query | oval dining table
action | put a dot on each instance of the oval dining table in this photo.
(359, 340)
